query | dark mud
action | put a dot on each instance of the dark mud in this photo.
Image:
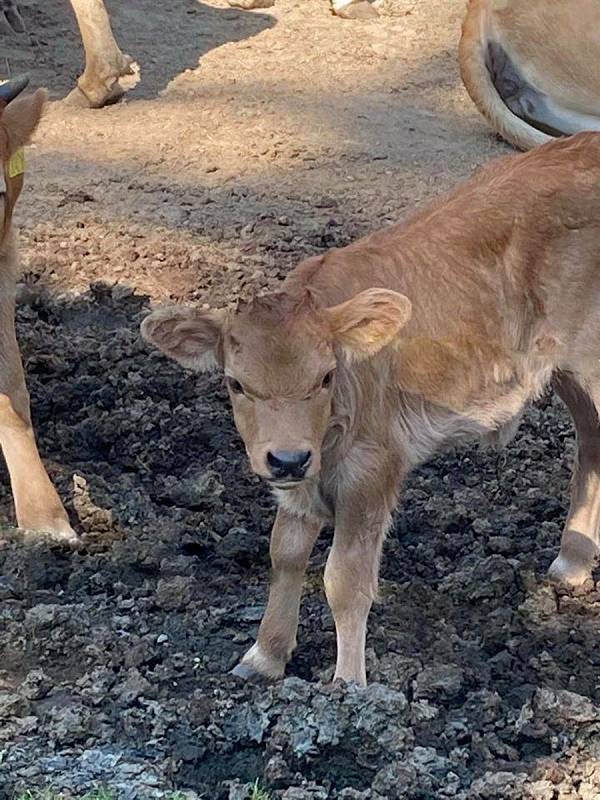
(114, 654)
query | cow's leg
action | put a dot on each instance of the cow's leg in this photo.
(581, 536)
(292, 541)
(11, 20)
(109, 73)
(37, 504)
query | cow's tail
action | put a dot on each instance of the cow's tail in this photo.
(474, 60)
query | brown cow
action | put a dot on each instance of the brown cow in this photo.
(531, 66)
(373, 356)
(36, 503)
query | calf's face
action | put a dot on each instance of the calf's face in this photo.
(280, 372)
(280, 355)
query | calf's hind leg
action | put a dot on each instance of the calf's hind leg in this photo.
(580, 542)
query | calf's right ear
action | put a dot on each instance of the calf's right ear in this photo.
(188, 335)
(369, 321)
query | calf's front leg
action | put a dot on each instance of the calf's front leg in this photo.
(292, 541)
(352, 572)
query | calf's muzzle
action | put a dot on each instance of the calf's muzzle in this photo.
(288, 464)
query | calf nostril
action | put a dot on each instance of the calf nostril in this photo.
(273, 461)
(284, 463)
(304, 457)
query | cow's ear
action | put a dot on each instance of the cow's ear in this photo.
(188, 335)
(369, 321)
(20, 118)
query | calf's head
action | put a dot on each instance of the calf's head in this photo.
(18, 120)
(280, 354)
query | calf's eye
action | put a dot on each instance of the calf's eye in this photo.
(327, 379)
(235, 386)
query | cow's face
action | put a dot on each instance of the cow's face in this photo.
(280, 356)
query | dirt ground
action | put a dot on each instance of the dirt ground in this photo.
(254, 139)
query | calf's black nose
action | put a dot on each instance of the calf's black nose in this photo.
(288, 463)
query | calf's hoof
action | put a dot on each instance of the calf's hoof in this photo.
(248, 674)
(258, 666)
(57, 530)
(569, 572)
(64, 533)
(350, 680)
(49, 519)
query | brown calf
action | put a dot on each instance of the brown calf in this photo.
(372, 357)
(531, 66)
(36, 503)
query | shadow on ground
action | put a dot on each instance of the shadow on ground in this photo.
(165, 39)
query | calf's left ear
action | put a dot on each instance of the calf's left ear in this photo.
(189, 335)
(369, 321)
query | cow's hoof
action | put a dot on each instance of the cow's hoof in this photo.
(100, 98)
(569, 572)
(11, 20)
(76, 99)
(359, 10)
(106, 89)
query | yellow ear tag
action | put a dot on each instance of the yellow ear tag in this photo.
(16, 165)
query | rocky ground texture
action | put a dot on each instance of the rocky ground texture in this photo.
(256, 138)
